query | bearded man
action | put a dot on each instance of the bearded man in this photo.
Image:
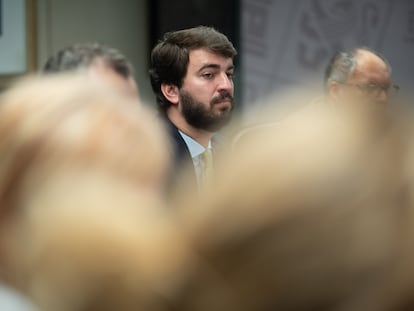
(192, 77)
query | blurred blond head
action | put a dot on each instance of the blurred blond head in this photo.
(65, 122)
(81, 174)
(312, 214)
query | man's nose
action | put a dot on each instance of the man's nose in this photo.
(225, 83)
(383, 95)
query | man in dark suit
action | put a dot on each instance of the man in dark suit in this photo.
(192, 77)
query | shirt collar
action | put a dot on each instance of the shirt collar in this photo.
(193, 146)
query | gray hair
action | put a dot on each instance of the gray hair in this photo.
(83, 55)
(343, 64)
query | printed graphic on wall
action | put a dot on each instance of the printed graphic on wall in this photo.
(287, 44)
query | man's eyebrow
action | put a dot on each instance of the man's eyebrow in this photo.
(214, 66)
(375, 82)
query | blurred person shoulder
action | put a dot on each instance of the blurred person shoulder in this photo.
(12, 300)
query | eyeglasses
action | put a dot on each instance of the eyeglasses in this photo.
(374, 90)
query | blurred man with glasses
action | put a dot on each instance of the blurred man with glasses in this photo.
(359, 75)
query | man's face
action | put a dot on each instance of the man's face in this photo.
(206, 96)
(370, 82)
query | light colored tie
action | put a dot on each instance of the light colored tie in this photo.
(207, 157)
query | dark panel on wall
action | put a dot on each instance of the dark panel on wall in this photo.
(167, 15)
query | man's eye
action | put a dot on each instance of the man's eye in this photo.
(370, 88)
(230, 75)
(373, 87)
(207, 75)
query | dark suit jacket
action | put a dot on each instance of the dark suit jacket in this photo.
(183, 171)
(182, 163)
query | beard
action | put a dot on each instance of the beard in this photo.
(199, 116)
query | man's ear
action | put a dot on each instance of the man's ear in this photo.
(170, 92)
(333, 90)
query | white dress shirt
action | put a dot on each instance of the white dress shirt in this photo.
(196, 150)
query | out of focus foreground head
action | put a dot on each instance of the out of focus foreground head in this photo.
(315, 214)
(82, 169)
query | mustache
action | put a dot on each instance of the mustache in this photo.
(221, 97)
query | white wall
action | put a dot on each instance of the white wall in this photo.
(122, 24)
